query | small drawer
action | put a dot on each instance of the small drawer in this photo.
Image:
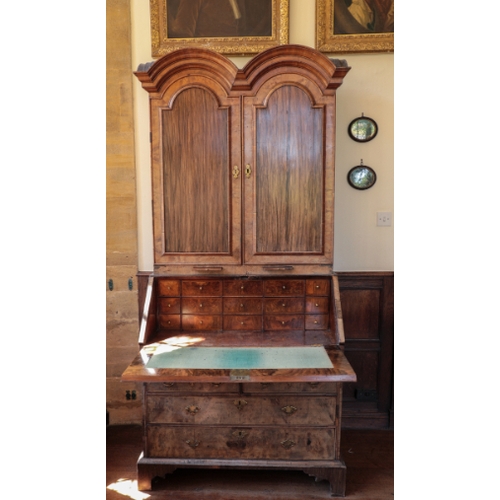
(290, 387)
(242, 323)
(277, 288)
(169, 321)
(208, 322)
(284, 305)
(211, 288)
(192, 387)
(201, 305)
(171, 305)
(318, 287)
(168, 288)
(317, 305)
(283, 322)
(316, 321)
(242, 306)
(249, 288)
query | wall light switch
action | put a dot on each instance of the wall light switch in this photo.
(384, 218)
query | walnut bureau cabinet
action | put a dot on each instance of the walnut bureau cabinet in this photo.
(243, 198)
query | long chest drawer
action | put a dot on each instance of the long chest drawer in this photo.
(243, 442)
(285, 410)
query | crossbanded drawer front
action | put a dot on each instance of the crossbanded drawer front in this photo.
(242, 306)
(169, 305)
(318, 287)
(211, 288)
(316, 321)
(242, 323)
(205, 322)
(317, 305)
(168, 288)
(212, 410)
(278, 288)
(266, 443)
(283, 322)
(246, 288)
(169, 321)
(201, 305)
(284, 305)
(182, 387)
(289, 387)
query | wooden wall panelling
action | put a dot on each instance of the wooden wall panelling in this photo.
(368, 316)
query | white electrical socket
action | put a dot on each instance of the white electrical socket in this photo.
(384, 218)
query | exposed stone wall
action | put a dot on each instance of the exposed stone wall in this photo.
(121, 218)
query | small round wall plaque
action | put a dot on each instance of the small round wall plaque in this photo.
(363, 129)
(361, 177)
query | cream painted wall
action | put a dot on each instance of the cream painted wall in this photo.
(368, 88)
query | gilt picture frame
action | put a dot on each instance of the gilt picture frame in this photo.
(344, 26)
(231, 27)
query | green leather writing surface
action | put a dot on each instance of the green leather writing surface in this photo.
(241, 358)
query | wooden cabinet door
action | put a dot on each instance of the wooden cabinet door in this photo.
(196, 154)
(289, 160)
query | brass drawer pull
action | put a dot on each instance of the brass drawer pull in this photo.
(192, 410)
(239, 434)
(288, 444)
(289, 410)
(236, 171)
(240, 404)
(215, 384)
(168, 384)
(193, 444)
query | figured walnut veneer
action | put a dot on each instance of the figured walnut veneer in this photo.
(243, 209)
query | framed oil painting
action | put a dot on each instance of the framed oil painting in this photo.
(355, 25)
(232, 27)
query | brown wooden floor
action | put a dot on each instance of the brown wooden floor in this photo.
(368, 454)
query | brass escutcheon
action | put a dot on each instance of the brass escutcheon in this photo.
(239, 434)
(288, 444)
(240, 404)
(192, 410)
(248, 171)
(289, 410)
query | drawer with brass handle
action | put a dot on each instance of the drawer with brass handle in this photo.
(317, 305)
(201, 305)
(169, 288)
(191, 387)
(265, 443)
(268, 410)
(289, 387)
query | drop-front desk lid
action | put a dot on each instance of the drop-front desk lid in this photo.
(162, 362)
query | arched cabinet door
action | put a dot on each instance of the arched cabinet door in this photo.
(289, 153)
(196, 169)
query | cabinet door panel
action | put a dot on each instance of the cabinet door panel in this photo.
(288, 147)
(197, 200)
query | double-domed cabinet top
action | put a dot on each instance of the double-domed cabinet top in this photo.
(243, 161)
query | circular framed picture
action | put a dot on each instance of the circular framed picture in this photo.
(361, 177)
(363, 129)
